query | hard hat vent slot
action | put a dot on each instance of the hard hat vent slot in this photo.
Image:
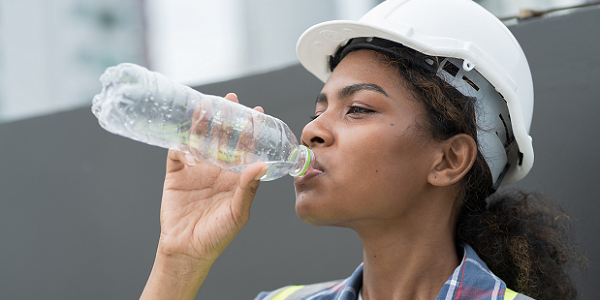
(520, 158)
(509, 139)
(450, 68)
(471, 83)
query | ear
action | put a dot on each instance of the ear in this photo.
(456, 157)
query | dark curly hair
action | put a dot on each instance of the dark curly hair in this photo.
(522, 237)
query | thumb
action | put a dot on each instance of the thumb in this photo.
(248, 186)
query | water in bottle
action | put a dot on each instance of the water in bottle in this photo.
(149, 107)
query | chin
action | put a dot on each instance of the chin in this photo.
(305, 210)
(311, 213)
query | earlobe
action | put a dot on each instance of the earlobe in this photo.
(457, 155)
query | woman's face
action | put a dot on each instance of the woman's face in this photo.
(372, 160)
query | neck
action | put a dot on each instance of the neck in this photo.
(404, 261)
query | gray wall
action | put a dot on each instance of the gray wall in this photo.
(79, 207)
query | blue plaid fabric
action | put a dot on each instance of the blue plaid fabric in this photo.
(471, 280)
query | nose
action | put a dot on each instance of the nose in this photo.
(317, 133)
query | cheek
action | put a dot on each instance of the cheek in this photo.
(386, 152)
(391, 163)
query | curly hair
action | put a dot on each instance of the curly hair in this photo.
(522, 237)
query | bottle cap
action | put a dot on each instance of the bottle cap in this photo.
(305, 157)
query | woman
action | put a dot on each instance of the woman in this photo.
(424, 113)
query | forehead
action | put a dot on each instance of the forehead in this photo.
(367, 66)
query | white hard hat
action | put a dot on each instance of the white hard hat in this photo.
(482, 59)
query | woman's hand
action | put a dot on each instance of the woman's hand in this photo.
(203, 208)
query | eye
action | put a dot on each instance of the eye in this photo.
(312, 118)
(358, 110)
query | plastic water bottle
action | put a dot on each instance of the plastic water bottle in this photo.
(149, 107)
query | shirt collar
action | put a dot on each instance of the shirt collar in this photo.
(470, 280)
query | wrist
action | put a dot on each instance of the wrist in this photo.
(178, 268)
(175, 277)
(179, 264)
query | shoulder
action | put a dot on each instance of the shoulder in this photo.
(297, 292)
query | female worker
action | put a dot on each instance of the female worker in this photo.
(424, 114)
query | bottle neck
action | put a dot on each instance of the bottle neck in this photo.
(303, 158)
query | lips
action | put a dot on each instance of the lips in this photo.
(313, 171)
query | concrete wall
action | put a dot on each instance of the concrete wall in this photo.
(79, 207)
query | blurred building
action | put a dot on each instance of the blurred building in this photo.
(212, 40)
(52, 52)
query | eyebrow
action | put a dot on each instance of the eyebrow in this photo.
(349, 90)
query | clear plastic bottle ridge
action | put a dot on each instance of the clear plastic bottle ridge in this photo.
(151, 108)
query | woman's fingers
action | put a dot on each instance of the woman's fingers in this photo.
(248, 186)
(177, 160)
(232, 97)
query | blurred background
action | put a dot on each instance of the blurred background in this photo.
(79, 206)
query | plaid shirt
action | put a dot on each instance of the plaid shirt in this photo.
(471, 280)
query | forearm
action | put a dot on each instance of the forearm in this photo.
(175, 278)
